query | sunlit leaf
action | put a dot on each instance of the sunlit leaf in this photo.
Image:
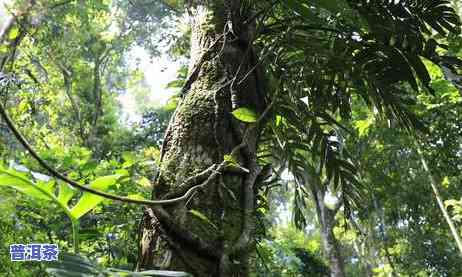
(65, 193)
(129, 159)
(230, 159)
(20, 182)
(144, 182)
(14, 33)
(88, 201)
(245, 114)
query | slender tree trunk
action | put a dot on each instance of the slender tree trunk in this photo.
(440, 201)
(200, 133)
(330, 244)
(366, 265)
(383, 235)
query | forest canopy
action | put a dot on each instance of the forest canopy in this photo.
(297, 138)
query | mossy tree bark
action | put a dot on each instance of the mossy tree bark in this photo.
(201, 132)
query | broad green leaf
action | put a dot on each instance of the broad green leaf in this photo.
(20, 182)
(88, 201)
(65, 193)
(48, 187)
(245, 114)
(202, 217)
(122, 172)
(89, 166)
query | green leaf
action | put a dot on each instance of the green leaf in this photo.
(65, 194)
(122, 172)
(245, 114)
(88, 201)
(171, 105)
(175, 84)
(3, 49)
(445, 183)
(144, 182)
(129, 159)
(21, 183)
(14, 33)
(278, 120)
(202, 217)
(363, 126)
(230, 159)
(420, 70)
(48, 187)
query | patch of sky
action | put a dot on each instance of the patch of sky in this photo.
(158, 72)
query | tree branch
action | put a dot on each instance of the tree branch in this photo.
(183, 233)
(76, 185)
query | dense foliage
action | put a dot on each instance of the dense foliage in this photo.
(363, 95)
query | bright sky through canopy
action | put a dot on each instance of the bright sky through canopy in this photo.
(3, 14)
(158, 72)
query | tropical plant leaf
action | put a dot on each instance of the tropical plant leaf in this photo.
(88, 201)
(245, 115)
(20, 182)
(65, 193)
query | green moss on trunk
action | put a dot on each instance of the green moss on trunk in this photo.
(199, 136)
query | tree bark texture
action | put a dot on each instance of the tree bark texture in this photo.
(331, 246)
(201, 132)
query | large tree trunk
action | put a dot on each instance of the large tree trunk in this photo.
(200, 133)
